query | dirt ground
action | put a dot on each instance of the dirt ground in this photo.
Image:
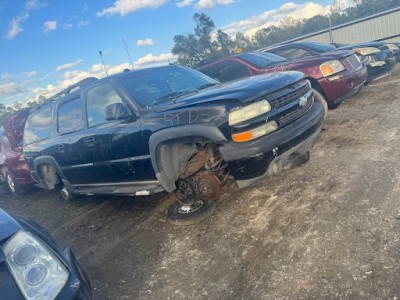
(327, 229)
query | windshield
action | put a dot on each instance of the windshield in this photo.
(170, 83)
(319, 47)
(261, 59)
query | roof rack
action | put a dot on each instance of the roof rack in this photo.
(72, 88)
(64, 92)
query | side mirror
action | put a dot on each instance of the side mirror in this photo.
(116, 111)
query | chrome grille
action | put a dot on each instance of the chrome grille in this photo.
(294, 114)
(354, 61)
(288, 96)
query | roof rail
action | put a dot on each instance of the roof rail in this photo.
(72, 88)
(64, 92)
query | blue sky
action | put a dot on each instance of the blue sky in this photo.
(48, 45)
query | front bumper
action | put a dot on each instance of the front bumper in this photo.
(346, 85)
(252, 161)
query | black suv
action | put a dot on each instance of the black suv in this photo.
(171, 128)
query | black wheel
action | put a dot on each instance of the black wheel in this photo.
(320, 98)
(300, 160)
(12, 184)
(186, 191)
(65, 195)
(179, 214)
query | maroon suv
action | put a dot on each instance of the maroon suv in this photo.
(12, 164)
(335, 76)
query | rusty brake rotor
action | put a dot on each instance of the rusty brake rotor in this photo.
(208, 186)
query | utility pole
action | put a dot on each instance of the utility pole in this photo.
(101, 56)
(330, 29)
(127, 51)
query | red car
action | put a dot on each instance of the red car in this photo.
(335, 76)
(12, 164)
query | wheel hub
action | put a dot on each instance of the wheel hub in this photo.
(186, 192)
(208, 186)
(187, 209)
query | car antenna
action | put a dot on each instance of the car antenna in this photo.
(127, 51)
(101, 56)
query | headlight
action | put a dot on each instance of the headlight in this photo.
(37, 271)
(392, 47)
(331, 67)
(249, 112)
(366, 50)
(256, 132)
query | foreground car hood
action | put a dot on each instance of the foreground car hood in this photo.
(243, 91)
(14, 127)
(8, 226)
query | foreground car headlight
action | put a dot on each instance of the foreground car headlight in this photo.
(37, 271)
(366, 50)
(248, 112)
(256, 132)
(331, 67)
(392, 47)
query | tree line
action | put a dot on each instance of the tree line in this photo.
(197, 48)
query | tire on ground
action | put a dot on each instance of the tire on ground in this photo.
(179, 214)
(12, 184)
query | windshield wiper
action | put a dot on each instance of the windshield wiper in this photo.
(206, 86)
(172, 96)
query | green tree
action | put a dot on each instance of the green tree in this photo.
(195, 49)
(225, 44)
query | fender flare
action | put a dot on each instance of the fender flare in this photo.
(167, 176)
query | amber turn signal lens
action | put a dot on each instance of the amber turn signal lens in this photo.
(242, 137)
(327, 70)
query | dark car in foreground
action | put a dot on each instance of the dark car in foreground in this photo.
(172, 129)
(334, 77)
(12, 164)
(32, 266)
(377, 56)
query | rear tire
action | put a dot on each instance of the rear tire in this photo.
(12, 184)
(179, 214)
(320, 98)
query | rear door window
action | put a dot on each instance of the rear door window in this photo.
(37, 126)
(70, 116)
(98, 98)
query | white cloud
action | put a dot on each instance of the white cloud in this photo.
(184, 3)
(124, 7)
(146, 42)
(7, 78)
(50, 25)
(150, 60)
(9, 89)
(15, 24)
(206, 4)
(82, 24)
(69, 65)
(273, 17)
(30, 74)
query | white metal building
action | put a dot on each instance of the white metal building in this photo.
(382, 26)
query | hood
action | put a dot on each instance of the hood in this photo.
(243, 90)
(14, 127)
(8, 226)
(317, 59)
(368, 44)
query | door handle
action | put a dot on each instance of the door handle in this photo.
(89, 141)
(60, 148)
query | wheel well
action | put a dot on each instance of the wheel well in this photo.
(49, 176)
(172, 157)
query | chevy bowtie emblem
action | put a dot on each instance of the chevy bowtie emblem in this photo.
(303, 101)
